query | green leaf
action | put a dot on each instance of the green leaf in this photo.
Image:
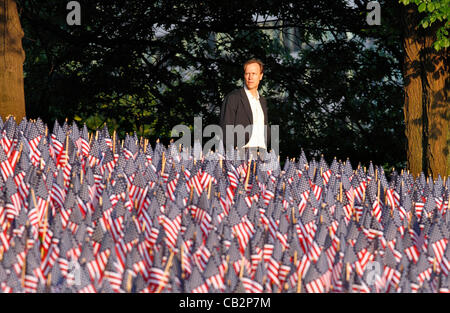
(445, 42)
(422, 7)
(425, 24)
(430, 7)
(437, 46)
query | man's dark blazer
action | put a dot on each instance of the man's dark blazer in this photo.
(236, 110)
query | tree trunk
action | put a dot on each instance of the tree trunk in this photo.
(435, 79)
(12, 56)
(413, 109)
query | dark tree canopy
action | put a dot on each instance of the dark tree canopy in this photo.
(333, 82)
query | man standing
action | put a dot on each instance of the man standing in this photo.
(246, 107)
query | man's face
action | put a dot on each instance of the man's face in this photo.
(252, 76)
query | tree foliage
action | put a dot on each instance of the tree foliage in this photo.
(435, 11)
(333, 82)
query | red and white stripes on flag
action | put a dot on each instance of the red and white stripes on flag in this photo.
(315, 286)
(251, 286)
(201, 257)
(392, 198)
(35, 154)
(171, 228)
(412, 253)
(157, 277)
(217, 281)
(6, 169)
(243, 232)
(439, 247)
(51, 257)
(97, 266)
(376, 210)
(186, 263)
(202, 218)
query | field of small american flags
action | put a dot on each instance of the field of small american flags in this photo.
(88, 212)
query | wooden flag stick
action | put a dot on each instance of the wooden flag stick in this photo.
(7, 226)
(49, 281)
(143, 227)
(227, 265)
(241, 274)
(192, 193)
(114, 142)
(18, 157)
(293, 216)
(33, 197)
(169, 263)
(45, 227)
(340, 192)
(209, 188)
(129, 281)
(164, 162)
(378, 193)
(410, 216)
(299, 282)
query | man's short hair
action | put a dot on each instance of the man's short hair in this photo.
(258, 61)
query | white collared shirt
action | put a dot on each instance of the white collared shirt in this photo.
(257, 138)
